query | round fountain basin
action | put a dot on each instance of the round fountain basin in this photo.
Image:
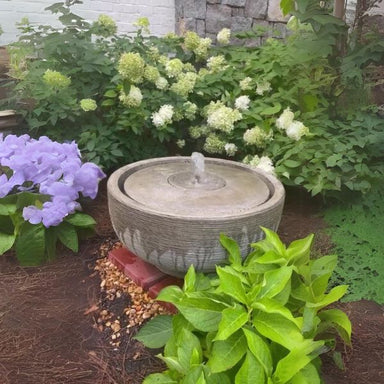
(170, 219)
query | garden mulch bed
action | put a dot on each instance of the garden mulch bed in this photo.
(48, 316)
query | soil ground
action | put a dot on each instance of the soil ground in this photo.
(47, 316)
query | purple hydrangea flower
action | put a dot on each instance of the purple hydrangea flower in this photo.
(54, 169)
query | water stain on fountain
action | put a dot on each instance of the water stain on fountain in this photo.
(171, 211)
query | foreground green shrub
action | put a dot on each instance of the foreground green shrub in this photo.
(261, 320)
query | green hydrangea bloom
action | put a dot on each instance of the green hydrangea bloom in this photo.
(131, 67)
(88, 105)
(213, 144)
(185, 84)
(151, 73)
(106, 26)
(56, 79)
(174, 67)
(191, 40)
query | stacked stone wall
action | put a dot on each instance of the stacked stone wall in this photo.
(207, 17)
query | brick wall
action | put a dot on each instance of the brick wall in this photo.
(161, 14)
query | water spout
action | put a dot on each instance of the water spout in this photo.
(198, 172)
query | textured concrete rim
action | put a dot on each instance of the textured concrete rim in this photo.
(116, 187)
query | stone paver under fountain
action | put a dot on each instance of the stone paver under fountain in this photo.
(170, 211)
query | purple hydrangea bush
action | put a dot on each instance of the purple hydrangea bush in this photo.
(40, 183)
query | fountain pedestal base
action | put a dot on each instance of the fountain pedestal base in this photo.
(142, 273)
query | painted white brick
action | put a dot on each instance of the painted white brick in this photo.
(161, 14)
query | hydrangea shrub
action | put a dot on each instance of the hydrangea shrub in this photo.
(139, 96)
(41, 182)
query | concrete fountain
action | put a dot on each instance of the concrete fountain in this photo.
(170, 211)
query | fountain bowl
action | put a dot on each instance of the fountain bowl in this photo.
(172, 224)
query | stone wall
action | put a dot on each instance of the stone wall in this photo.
(161, 14)
(207, 17)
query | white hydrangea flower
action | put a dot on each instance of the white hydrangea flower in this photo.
(296, 130)
(285, 119)
(174, 67)
(223, 36)
(245, 84)
(263, 87)
(180, 143)
(221, 117)
(161, 83)
(163, 116)
(256, 136)
(230, 149)
(264, 163)
(216, 64)
(202, 50)
(134, 97)
(157, 120)
(166, 112)
(185, 84)
(242, 103)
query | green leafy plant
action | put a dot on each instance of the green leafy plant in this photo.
(356, 230)
(261, 320)
(35, 244)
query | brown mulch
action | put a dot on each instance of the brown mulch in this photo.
(48, 315)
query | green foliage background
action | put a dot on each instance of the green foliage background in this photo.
(357, 231)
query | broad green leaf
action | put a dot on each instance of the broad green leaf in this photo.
(179, 323)
(68, 236)
(323, 266)
(159, 378)
(231, 285)
(299, 250)
(193, 375)
(81, 220)
(273, 238)
(339, 320)
(292, 163)
(7, 209)
(156, 332)
(275, 281)
(260, 350)
(287, 6)
(172, 363)
(201, 379)
(171, 294)
(319, 286)
(6, 224)
(30, 244)
(215, 378)
(25, 199)
(232, 248)
(278, 329)
(50, 242)
(6, 242)
(271, 110)
(189, 350)
(232, 320)
(190, 279)
(308, 374)
(273, 306)
(334, 295)
(251, 372)
(310, 321)
(110, 93)
(271, 257)
(226, 353)
(296, 360)
(202, 312)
